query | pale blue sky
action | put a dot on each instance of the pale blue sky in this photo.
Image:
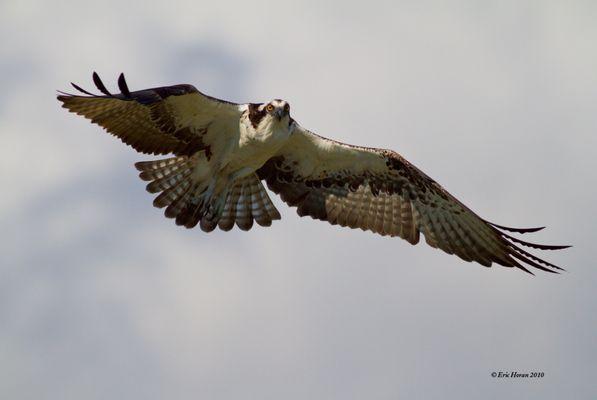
(102, 297)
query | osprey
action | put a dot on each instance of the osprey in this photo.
(222, 151)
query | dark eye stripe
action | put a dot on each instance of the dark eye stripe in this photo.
(255, 115)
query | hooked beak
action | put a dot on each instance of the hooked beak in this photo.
(280, 113)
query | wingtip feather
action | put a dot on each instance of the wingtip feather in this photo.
(517, 230)
(80, 89)
(100, 85)
(63, 95)
(535, 245)
(124, 89)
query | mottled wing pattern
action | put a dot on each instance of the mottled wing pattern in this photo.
(172, 119)
(378, 190)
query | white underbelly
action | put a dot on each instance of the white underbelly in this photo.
(252, 152)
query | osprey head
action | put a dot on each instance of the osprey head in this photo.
(278, 109)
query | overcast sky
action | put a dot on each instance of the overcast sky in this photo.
(102, 297)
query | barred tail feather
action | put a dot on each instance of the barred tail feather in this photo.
(173, 178)
(246, 202)
(244, 219)
(228, 217)
(186, 200)
(152, 170)
(170, 176)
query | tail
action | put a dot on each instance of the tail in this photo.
(247, 201)
(186, 200)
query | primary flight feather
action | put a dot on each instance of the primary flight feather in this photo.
(222, 151)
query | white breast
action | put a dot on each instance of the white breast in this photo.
(257, 145)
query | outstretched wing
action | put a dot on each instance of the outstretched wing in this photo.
(172, 119)
(378, 190)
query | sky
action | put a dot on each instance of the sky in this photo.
(102, 297)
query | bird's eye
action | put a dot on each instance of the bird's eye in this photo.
(269, 108)
(287, 107)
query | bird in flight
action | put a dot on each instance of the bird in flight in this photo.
(222, 151)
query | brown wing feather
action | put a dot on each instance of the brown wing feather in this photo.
(155, 121)
(379, 191)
